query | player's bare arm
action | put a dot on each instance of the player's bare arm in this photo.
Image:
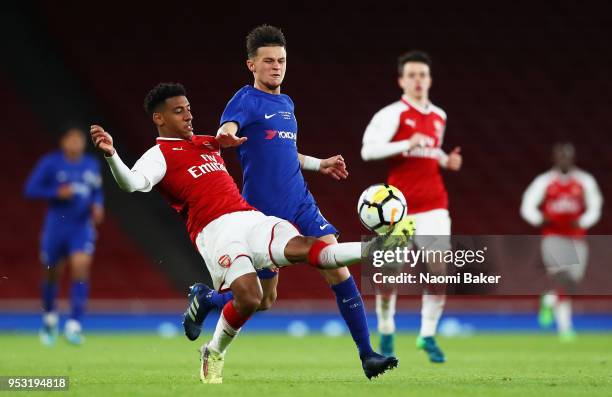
(334, 166)
(97, 214)
(226, 135)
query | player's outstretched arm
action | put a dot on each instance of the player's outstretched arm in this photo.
(226, 135)
(128, 180)
(334, 166)
(102, 140)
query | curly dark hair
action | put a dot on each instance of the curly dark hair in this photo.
(160, 93)
(412, 56)
(264, 36)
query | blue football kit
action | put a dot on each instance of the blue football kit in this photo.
(273, 183)
(272, 178)
(68, 226)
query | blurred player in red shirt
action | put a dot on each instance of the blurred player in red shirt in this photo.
(563, 202)
(409, 133)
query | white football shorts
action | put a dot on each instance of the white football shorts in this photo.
(250, 234)
(433, 229)
(565, 254)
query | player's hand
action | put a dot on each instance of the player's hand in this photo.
(334, 167)
(455, 160)
(102, 140)
(65, 192)
(97, 214)
(227, 139)
(420, 140)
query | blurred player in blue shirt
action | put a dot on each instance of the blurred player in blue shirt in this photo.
(70, 181)
(261, 123)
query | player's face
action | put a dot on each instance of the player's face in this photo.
(174, 118)
(415, 80)
(73, 143)
(268, 67)
(563, 157)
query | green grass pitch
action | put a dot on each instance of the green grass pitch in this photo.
(277, 365)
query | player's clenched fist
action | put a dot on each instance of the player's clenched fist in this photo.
(102, 140)
(455, 160)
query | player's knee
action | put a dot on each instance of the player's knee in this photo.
(298, 247)
(250, 304)
(247, 293)
(267, 301)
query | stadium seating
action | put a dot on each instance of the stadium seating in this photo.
(120, 269)
(509, 95)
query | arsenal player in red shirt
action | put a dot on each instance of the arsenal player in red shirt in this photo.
(408, 134)
(563, 202)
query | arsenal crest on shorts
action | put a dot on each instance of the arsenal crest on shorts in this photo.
(225, 261)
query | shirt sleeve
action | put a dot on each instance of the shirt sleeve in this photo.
(40, 184)
(532, 198)
(148, 171)
(237, 111)
(593, 202)
(376, 144)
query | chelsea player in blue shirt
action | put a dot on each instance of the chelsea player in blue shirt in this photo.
(70, 181)
(261, 123)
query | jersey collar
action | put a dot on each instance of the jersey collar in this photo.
(423, 109)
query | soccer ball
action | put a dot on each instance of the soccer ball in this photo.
(380, 207)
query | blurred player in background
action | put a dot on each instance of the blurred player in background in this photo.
(409, 134)
(261, 122)
(70, 181)
(563, 202)
(234, 238)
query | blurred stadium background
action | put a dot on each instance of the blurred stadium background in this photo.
(514, 79)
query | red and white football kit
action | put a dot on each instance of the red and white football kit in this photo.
(192, 177)
(564, 205)
(414, 170)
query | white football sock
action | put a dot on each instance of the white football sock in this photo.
(385, 314)
(72, 326)
(50, 319)
(338, 255)
(431, 310)
(563, 315)
(550, 299)
(222, 337)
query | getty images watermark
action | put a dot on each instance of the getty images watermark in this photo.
(483, 264)
(402, 256)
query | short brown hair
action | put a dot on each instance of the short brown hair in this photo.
(264, 36)
(412, 56)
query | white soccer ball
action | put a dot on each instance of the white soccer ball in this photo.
(380, 207)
